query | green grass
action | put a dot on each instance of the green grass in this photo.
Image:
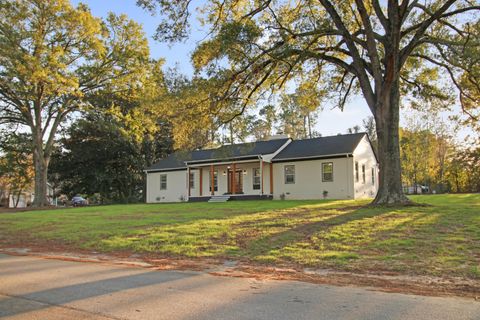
(440, 239)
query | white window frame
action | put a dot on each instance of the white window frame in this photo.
(163, 175)
(285, 174)
(323, 171)
(257, 176)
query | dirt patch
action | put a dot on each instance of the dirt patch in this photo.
(381, 281)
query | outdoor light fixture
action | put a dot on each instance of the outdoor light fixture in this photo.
(224, 173)
(244, 172)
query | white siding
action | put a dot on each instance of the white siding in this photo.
(308, 180)
(364, 155)
(176, 187)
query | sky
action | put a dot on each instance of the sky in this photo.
(331, 121)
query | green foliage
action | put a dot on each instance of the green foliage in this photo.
(16, 167)
(53, 56)
(320, 234)
(99, 156)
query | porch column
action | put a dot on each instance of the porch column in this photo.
(271, 178)
(201, 181)
(212, 182)
(234, 172)
(188, 181)
(262, 165)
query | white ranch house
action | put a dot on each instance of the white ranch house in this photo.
(335, 167)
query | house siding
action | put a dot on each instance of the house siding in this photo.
(176, 186)
(308, 180)
(364, 155)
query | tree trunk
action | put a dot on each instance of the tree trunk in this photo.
(41, 171)
(387, 118)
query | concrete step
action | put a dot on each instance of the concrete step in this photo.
(222, 198)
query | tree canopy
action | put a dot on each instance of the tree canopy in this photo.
(53, 56)
(387, 51)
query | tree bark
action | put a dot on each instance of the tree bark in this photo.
(41, 161)
(390, 190)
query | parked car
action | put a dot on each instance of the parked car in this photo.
(78, 201)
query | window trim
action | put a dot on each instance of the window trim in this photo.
(364, 174)
(191, 180)
(256, 186)
(323, 171)
(164, 175)
(357, 175)
(290, 174)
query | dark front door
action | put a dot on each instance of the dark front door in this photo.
(238, 181)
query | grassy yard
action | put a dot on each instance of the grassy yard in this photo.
(440, 239)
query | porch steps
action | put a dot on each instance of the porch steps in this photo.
(222, 198)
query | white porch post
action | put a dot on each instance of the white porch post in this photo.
(188, 181)
(261, 175)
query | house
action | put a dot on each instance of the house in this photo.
(10, 198)
(335, 167)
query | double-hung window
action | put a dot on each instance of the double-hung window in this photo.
(191, 180)
(289, 172)
(163, 182)
(363, 173)
(327, 171)
(256, 178)
(356, 172)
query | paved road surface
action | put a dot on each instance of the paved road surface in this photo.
(34, 288)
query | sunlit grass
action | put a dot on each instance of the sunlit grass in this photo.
(439, 239)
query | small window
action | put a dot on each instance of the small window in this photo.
(215, 181)
(191, 180)
(289, 174)
(327, 171)
(356, 172)
(163, 182)
(256, 178)
(363, 173)
(373, 176)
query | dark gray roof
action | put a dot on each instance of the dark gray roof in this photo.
(320, 147)
(177, 160)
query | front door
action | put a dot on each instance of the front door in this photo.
(238, 181)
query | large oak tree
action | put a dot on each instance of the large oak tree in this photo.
(52, 57)
(385, 50)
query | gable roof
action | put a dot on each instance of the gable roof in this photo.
(251, 150)
(296, 149)
(320, 147)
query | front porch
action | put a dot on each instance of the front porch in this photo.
(241, 180)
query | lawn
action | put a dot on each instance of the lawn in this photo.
(442, 238)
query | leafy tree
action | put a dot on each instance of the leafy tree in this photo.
(384, 50)
(99, 156)
(53, 56)
(16, 166)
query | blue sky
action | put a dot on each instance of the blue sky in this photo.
(330, 121)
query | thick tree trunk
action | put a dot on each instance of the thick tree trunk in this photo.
(41, 171)
(387, 119)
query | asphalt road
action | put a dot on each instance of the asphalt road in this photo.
(35, 288)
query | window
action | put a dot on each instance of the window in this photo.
(163, 182)
(356, 171)
(373, 176)
(327, 171)
(215, 181)
(191, 180)
(289, 174)
(363, 173)
(256, 178)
